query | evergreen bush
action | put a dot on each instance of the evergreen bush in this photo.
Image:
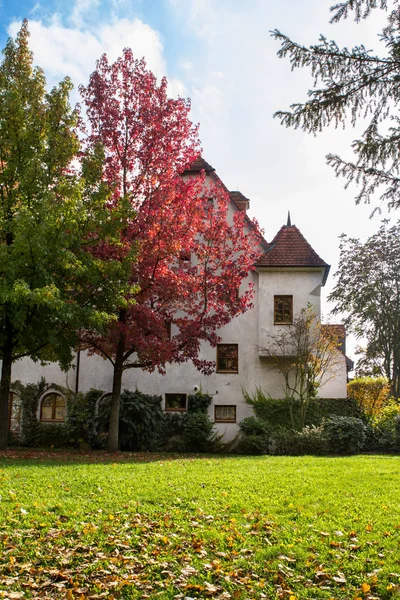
(347, 435)
(252, 444)
(275, 411)
(198, 402)
(81, 418)
(198, 433)
(140, 420)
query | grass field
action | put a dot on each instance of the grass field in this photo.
(155, 526)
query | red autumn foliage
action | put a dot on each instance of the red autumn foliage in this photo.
(191, 258)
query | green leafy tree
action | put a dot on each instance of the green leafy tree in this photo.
(367, 365)
(54, 274)
(350, 85)
(367, 293)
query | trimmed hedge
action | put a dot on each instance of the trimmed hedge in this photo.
(276, 412)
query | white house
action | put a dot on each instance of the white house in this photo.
(288, 277)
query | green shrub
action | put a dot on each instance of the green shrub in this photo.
(385, 426)
(252, 444)
(312, 440)
(371, 443)
(198, 402)
(276, 411)
(52, 435)
(254, 426)
(346, 435)
(199, 433)
(254, 434)
(176, 443)
(192, 431)
(30, 396)
(397, 432)
(140, 420)
(172, 426)
(283, 441)
(81, 418)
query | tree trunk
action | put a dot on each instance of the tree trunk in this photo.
(113, 431)
(5, 383)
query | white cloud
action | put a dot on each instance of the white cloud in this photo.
(73, 51)
(36, 8)
(81, 9)
(186, 65)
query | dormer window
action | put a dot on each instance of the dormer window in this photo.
(283, 310)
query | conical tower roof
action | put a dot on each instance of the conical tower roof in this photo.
(289, 248)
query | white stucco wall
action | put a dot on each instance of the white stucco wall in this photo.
(247, 330)
(305, 287)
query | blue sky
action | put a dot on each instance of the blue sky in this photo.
(220, 54)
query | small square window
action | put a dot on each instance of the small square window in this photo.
(283, 310)
(175, 402)
(225, 414)
(227, 358)
(185, 259)
(230, 298)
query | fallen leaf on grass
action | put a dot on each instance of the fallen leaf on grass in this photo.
(188, 571)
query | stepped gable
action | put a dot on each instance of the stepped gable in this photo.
(289, 248)
(199, 165)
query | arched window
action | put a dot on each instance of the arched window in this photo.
(53, 408)
(14, 412)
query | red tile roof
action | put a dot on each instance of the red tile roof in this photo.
(200, 165)
(289, 248)
(239, 200)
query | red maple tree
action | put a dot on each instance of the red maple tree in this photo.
(191, 258)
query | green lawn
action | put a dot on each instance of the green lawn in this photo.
(199, 527)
